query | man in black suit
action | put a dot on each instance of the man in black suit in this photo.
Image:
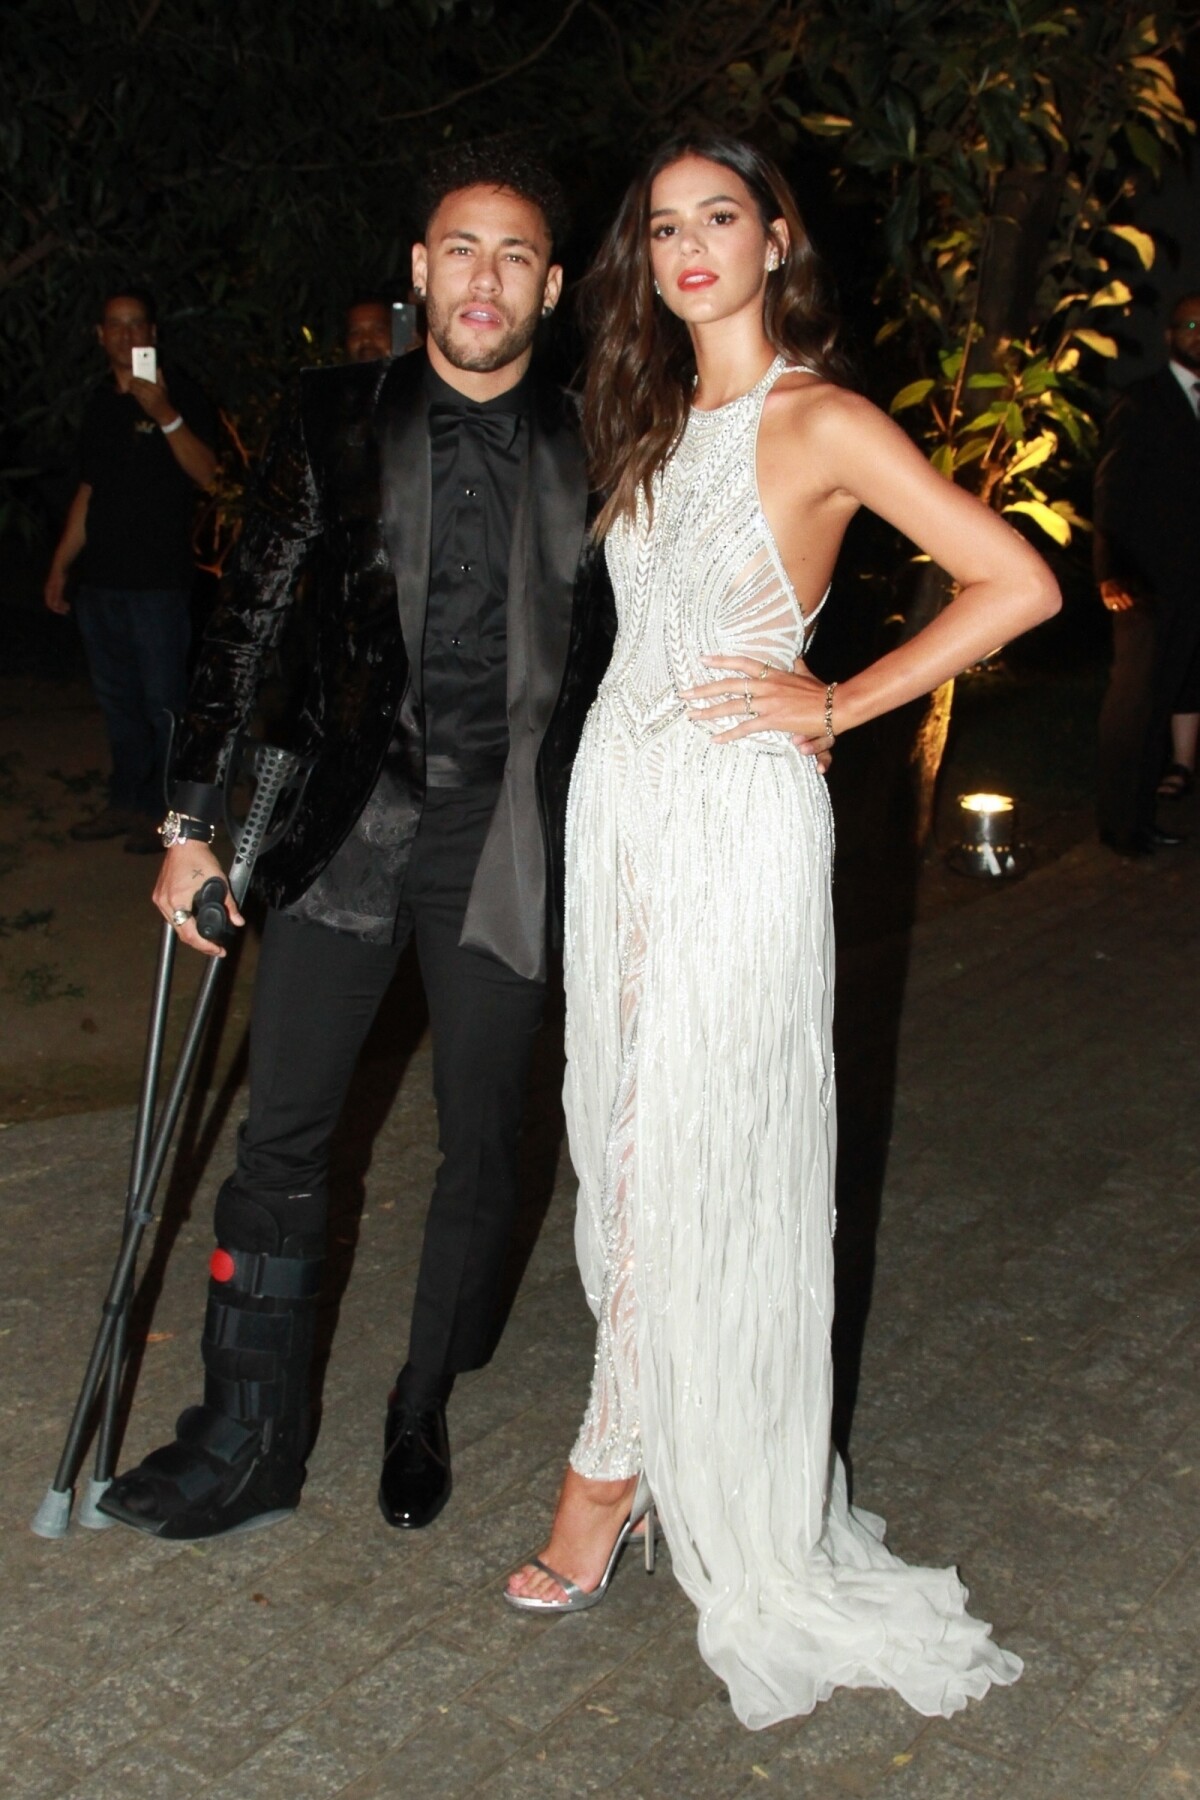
(439, 504)
(1147, 562)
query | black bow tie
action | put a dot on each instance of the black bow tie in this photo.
(495, 428)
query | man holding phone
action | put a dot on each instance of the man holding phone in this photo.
(377, 328)
(146, 447)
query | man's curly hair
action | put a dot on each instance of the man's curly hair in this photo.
(496, 163)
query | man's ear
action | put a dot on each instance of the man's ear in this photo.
(420, 269)
(552, 292)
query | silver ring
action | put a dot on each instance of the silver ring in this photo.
(180, 916)
(749, 697)
(764, 671)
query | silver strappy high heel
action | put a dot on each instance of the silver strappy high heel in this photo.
(577, 1600)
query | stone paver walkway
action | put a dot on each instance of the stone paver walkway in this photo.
(1029, 1408)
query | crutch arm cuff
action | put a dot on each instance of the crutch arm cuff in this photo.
(198, 800)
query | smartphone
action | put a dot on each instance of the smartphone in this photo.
(404, 326)
(145, 362)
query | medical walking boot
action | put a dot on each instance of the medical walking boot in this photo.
(237, 1462)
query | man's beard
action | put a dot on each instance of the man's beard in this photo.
(514, 343)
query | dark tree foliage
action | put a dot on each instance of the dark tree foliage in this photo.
(254, 163)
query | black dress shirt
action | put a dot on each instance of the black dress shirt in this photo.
(477, 454)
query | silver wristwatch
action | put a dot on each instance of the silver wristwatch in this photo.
(177, 828)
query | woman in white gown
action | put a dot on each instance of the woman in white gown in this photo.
(699, 1088)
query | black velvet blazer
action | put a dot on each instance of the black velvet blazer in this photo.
(1147, 496)
(345, 495)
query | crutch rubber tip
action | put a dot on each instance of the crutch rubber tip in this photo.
(53, 1515)
(89, 1508)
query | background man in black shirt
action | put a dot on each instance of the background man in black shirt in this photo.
(146, 447)
(436, 505)
(1147, 563)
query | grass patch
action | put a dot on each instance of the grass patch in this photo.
(27, 920)
(41, 982)
(92, 781)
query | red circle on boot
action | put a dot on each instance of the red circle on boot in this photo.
(221, 1265)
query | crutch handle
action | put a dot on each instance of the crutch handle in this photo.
(208, 910)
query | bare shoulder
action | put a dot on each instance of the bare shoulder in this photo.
(806, 403)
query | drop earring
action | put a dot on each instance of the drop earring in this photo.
(658, 290)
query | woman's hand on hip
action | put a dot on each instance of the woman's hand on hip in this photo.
(756, 696)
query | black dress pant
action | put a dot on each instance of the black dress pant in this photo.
(1155, 672)
(316, 995)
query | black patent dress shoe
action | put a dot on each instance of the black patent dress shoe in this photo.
(414, 1483)
(1142, 843)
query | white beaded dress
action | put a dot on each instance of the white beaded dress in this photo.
(700, 1107)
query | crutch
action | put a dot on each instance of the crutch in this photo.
(279, 782)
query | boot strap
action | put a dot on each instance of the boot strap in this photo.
(251, 1402)
(227, 1439)
(266, 1277)
(236, 1328)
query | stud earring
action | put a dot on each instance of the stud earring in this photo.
(772, 262)
(546, 311)
(418, 293)
(658, 290)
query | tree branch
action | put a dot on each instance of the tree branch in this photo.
(27, 259)
(478, 87)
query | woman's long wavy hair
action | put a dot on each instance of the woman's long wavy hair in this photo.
(640, 366)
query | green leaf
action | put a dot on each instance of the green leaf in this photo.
(970, 452)
(912, 395)
(825, 124)
(1051, 522)
(943, 460)
(1014, 421)
(1095, 340)
(1036, 380)
(1139, 241)
(1145, 146)
(1117, 293)
(1069, 417)
(1035, 452)
(987, 379)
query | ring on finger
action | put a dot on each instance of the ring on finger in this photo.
(180, 916)
(764, 671)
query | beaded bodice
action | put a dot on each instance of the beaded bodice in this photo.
(703, 575)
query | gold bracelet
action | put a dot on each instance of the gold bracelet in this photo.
(829, 711)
